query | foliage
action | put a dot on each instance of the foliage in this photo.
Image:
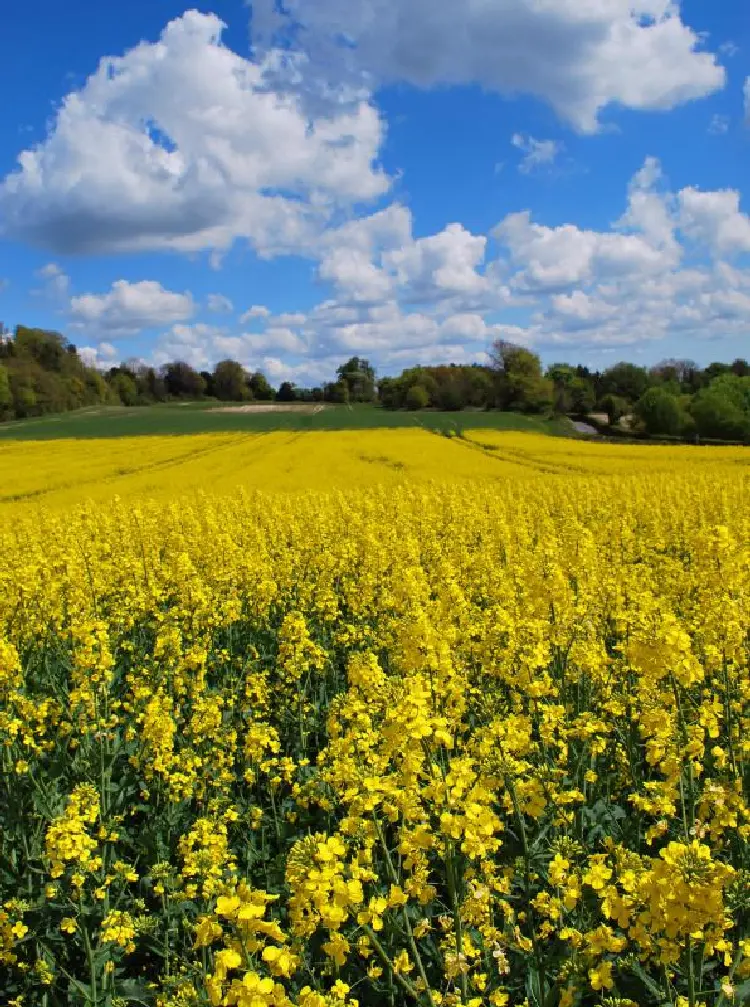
(520, 383)
(182, 381)
(626, 380)
(430, 745)
(615, 407)
(661, 412)
(417, 397)
(358, 375)
(723, 409)
(286, 392)
(40, 372)
(229, 381)
(260, 387)
(6, 395)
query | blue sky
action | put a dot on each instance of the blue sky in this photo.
(407, 182)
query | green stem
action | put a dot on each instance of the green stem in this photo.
(691, 973)
(405, 914)
(383, 955)
(527, 882)
(92, 969)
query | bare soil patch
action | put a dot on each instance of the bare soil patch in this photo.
(285, 407)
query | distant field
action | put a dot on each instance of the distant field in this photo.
(62, 473)
(202, 418)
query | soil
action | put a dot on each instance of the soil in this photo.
(268, 407)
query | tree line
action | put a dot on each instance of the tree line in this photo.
(41, 372)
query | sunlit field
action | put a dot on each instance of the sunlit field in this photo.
(375, 718)
(61, 473)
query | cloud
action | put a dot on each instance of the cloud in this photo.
(219, 304)
(657, 270)
(202, 346)
(129, 308)
(442, 264)
(729, 48)
(103, 356)
(291, 318)
(719, 125)
(351, 255)
(181, 144)
(552, 259)
(257, 311)
(577, 57)
(715, 220)
(536, 152)
(55, 279)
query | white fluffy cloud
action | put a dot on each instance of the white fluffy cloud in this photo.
(131, 307)
(180, 144)
(443, 264)
(578, 57)
(553, 259)
(202, 346)
(715, 220)
(657, 270)
(536, 153)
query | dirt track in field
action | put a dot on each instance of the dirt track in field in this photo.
(296, 407)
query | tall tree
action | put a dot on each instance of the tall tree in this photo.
(230, 381)
(520, 382)
(359, 376)
(182, 381)
(628, 381)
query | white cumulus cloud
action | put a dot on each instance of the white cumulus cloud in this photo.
(180, 144)
(715, 219)
(578, 56)
(131, 307)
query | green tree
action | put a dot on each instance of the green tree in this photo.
(337, 391)
(615, 407)
(182, 381)
(626, 380)
(722, 411)
(520, 383)
(582, 395)
(260, 387)
(287, 392)
(6, 395)
(230, 382)
(389, 393)
(660, 412)
(359, 376)
(417, 397)
(48, 349)
(124, 386)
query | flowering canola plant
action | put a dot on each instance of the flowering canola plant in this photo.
(63, 473)
(444, 745)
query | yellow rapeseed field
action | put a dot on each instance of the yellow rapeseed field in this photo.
(463, 723)
(61, 473)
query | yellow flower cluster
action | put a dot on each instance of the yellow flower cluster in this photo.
(69, 840)
(465, 745)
